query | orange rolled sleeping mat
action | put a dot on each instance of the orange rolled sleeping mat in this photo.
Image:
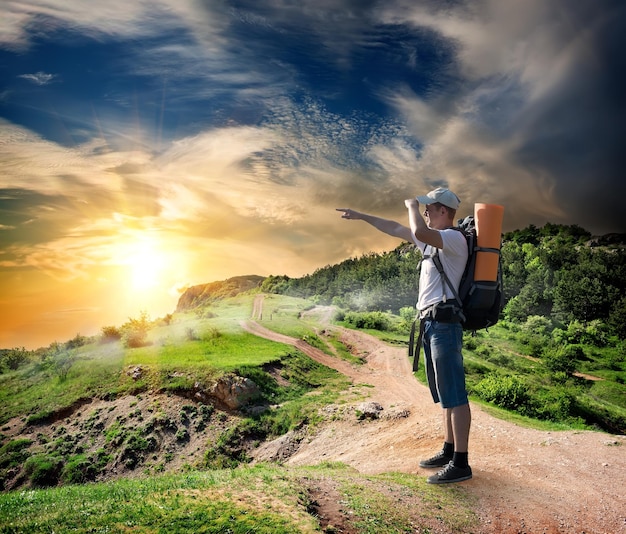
(488, 219)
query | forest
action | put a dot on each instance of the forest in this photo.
(558, 352)
(556, 271)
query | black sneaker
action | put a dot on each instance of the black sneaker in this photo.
(439, 460)
(451, 473)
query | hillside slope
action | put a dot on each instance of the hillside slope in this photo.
(205, 294)
(524, 480)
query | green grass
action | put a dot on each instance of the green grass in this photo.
(386, 503)
(197, 347)
(283, 314)
(260, 499)
(226, 352)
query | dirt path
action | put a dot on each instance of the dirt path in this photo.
(525, 481)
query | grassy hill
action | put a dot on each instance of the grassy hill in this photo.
(120, 437)
(139, 438)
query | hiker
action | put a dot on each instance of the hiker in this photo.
(442, 336)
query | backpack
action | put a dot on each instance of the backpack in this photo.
(481, 301)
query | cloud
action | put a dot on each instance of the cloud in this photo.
(39, 78)
(538, 118)
(281, 150)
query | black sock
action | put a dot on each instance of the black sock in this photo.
(448, 449)
(460, 459)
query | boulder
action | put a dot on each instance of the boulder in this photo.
(369, 410)
(234, 391)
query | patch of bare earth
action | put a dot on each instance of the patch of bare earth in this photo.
(524, 480)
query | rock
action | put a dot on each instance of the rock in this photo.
(368, 410)
(234, 391)
(136, 373)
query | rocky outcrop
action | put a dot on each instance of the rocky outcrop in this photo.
(234, 391)
(205, 294)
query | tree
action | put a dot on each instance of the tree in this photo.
(582, 291)
(13, 358)
(135, 331)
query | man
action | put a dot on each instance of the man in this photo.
(443, 334)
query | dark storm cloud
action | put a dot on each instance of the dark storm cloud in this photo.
(577, 132)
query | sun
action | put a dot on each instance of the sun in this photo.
(146, 265)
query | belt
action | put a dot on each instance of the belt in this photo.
(445, 312)
(449, 311)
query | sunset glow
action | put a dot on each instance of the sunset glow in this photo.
(146, 266)
(151, 146)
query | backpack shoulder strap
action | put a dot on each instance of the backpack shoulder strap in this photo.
(444, 276)
(437, 261)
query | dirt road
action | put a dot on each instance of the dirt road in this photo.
(525, 481)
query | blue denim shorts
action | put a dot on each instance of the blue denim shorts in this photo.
(444, 363)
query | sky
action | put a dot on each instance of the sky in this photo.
(148, 146)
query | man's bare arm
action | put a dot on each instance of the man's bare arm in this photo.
(419, 228)
(386, 226)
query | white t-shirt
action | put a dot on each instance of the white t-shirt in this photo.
(453, 257)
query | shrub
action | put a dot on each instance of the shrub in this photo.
(182, 436)
(135, 448)
(505, 391)
(537, 325)
(484, 351)
(340, 315)
(43, 470)
(63, 363)
(553, 405)
(564, 359)
(211, 334)
(14, 453)
(135, 331)
(535, 345)
(368, 320)
(110, 333)
(75, 342)
(134, 339)
(13, 358)
(79, 469)
(190, 334)
(470, 342)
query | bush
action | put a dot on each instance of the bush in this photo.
(340, 315)
(14, 453)
(135, 331)
(537, 325)
(135, 448)
(211, 334)
(110, 333)
(470, 342)
(407, 316)
(535, 345)
(78, 470)
(190, 334)
(505, 391)
(595, 333)
(13, 358)
(43, 470)
(76, 342)
(63, 363)
(368, 320)
(564, 359)
(556, 405)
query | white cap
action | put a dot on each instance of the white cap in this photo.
(443, 196)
